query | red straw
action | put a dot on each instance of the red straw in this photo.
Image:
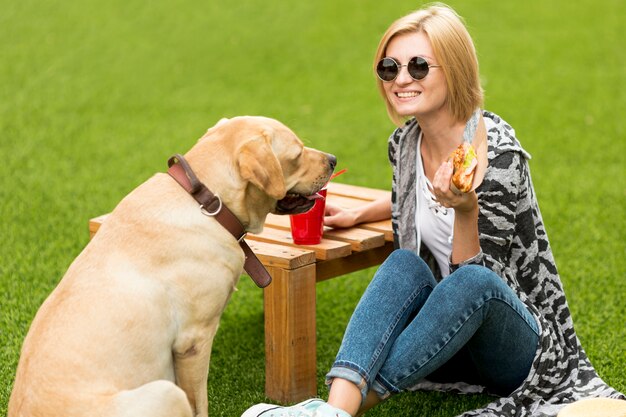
(336, 174)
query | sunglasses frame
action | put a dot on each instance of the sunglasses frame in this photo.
(399, 68)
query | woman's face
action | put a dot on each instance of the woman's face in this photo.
(410, 97)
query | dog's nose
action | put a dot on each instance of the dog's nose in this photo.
(332, 161)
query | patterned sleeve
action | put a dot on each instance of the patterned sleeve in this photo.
(393, 144)
(498, 198)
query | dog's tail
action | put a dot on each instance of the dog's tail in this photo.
(155, 399)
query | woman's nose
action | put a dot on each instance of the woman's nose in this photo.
(403, 76)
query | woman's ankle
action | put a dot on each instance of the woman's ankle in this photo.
(345, 396)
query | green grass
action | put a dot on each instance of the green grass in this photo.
(95, 96)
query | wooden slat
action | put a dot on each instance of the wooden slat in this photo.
(326, 249)
(286, 257)
(359, 239)
(363, 193)
(346, 202)
(383, 226)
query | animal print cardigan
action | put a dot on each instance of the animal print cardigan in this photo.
(513, 244)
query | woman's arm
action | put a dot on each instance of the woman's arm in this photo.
(466, 244)
(376, 210)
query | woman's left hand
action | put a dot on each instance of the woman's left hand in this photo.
(446, 196)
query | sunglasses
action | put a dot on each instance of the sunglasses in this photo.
(388, 68)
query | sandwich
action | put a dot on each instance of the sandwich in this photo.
(464, 163)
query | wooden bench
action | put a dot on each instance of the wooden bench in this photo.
(289, 301)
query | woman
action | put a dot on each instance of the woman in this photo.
(481, 309)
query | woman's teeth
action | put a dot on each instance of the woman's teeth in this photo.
(408, 94)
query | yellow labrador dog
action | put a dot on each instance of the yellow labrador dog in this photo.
(128, 330)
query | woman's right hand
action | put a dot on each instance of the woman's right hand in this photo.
(336, 216)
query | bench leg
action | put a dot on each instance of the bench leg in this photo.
(290, 341)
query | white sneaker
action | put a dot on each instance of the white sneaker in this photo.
(309, 408)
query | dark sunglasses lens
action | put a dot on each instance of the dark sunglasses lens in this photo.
(387, 69)
(418, 68)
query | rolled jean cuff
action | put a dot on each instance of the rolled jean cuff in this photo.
(383, 389)
(350, 372)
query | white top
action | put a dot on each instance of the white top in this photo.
(434, 223)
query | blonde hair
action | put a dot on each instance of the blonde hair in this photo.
(454, 51)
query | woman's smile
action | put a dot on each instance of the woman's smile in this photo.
(407, 94)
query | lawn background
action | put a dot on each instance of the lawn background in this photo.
(95, 96)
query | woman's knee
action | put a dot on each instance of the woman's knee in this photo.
(474, 279)
(405, 266)
(402, 256)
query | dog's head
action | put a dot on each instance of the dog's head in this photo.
(257, 165)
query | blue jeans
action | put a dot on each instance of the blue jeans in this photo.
(470, 327)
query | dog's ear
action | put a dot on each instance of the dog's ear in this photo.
(259, 165)
(213, 128)
(219, 123)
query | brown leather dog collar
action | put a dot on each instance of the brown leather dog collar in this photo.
(211, 205)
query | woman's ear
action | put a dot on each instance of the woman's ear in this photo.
(259, 165)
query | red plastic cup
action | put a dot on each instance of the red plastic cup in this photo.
(307, 228)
